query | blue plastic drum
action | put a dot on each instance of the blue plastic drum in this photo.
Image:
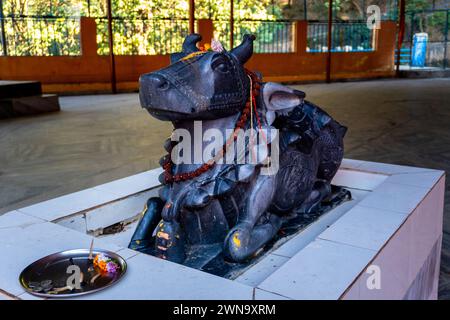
(419, 50)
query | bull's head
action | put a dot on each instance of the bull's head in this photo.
(204, 86)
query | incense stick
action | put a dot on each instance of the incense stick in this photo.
(90, 249)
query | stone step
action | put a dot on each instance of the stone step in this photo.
(24, 106)
(425, 73)
(17, 89)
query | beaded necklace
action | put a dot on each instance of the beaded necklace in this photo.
(250, 108)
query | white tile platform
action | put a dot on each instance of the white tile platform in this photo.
(393, 225)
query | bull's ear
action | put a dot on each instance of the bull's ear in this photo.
(189, 46)
(244, 51)
(190, 43)
(279, 98)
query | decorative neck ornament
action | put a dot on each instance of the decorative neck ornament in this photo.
(250, 109)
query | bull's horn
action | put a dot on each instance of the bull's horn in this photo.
(244, 51)
(190, 43)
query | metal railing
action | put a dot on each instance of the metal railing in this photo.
(352, 36)
(436, 25)
(271, 36)
(405, 56)
(142, 36)
(40, 36)
(54, 36)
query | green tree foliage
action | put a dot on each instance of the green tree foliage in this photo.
(342, 9)
(29, 33)
(159, 26)
(139, 26)
(150, 27)
(421, 18)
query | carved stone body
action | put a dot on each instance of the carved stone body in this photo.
(234, 204)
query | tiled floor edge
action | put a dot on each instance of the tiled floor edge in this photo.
(270, 292)
(283, 278)
(347, 163)
(399, 184)
(437, 182)
(429, 191)
(98, 188)
(121, 197)
(364, 247)
(391, 174)
(369, 166)
(370, 262)
(407, 184)
(351, 165)
(387, 242)
(206, 274)
(84, 210)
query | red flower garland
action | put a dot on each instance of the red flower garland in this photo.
(167, 166)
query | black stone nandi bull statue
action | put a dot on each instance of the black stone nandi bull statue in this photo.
(233, 204)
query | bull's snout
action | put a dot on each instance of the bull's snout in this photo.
(156, 96)
(153, 82)
(152, 88)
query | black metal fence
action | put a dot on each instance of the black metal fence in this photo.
(40, 36)
(142, 36)
(352, 36)
(432, 25)
(138, 36)
(53, 36)
(271, 36)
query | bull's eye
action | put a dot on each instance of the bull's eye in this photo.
(220, 64)
(222, 67)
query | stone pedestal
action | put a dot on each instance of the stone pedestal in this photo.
(384, 244)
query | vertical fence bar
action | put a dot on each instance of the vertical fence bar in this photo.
(364, 8)
(305, 10)
(401, 32)
(330, 29)
(3, 33)
(286, 37)
(89, 8)
(446, 38)
(191, 16)
(231, 24)
(411, 37)
(112, 60)
(40, 50)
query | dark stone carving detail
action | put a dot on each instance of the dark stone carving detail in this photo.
(231, 211)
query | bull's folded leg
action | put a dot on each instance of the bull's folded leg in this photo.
(324, 199)
(247, 237)
(243, 242)
(151, 215)
(320, 191)
(170, 241)
(337, 196)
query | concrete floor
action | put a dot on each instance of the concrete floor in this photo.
(96, 139)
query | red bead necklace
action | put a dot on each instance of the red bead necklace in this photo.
(168, 164)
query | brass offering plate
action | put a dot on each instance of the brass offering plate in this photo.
(55, 275)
